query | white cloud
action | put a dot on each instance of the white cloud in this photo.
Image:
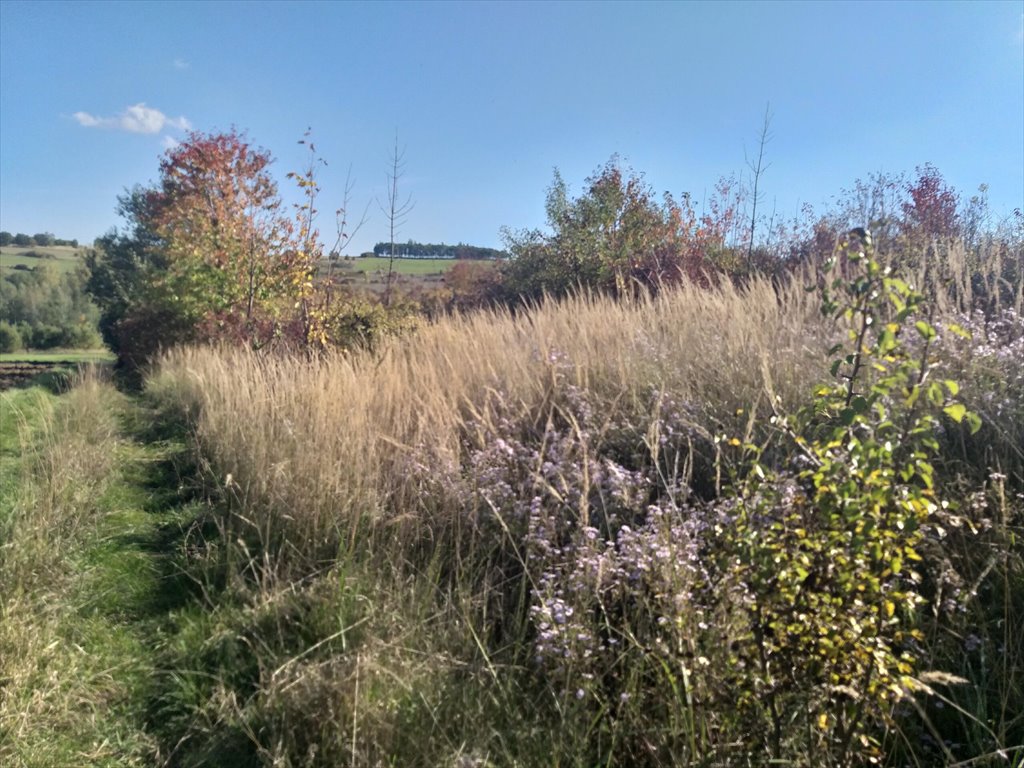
(169, 142)
(84, 118)
(180, 64)
(136, 119)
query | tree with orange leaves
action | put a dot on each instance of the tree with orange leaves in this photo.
(209, 253)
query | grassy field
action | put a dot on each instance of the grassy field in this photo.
(63, 258)
(415, 267)
(58, 356)
(519, 555)
(510, 540)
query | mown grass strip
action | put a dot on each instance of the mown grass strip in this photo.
(89, 521)
(59, 356)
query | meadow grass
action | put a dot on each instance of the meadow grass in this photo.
(62, 258)
(341, 476)
(365, 417)
(88, 587)
(66, 449)
(408, 529)
(372, 264)
(501, 541)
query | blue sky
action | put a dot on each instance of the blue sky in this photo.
(488, 97)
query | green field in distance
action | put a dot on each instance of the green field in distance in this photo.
(59, 356)
(63, 258)
(403, 266)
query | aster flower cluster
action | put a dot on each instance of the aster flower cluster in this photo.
(990, 357)
(606, 538)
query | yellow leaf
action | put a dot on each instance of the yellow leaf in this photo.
(956, 411)
(823, 721)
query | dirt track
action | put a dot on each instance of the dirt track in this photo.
(17, 373)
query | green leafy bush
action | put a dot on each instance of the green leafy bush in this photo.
(827, 556)
(615, 237)
(10, 339)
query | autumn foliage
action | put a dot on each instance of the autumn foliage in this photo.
(210, 254)
(618, 236)
(231, 257)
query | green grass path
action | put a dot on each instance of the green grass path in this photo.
(97, 690)
(121, 593)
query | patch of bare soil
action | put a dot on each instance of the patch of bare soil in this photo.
(18, 373)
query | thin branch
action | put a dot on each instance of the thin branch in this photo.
(757, 169)
(395, 211)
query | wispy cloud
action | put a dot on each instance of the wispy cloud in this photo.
(180, 64)
(135, 119)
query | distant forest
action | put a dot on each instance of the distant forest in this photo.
(414, 250)
(45, 239)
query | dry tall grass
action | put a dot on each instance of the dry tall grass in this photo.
(321, 446)
(959, 279)
(355, 467)
(359, 489)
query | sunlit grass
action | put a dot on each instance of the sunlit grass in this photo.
(380, 489)
(373, 264)
(57, 356)
(355, 579)
(79, 585)
(61, 258)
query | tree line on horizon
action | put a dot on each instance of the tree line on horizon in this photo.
(414, 250)
(43, 240)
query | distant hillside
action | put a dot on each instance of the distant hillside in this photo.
(63, 258)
